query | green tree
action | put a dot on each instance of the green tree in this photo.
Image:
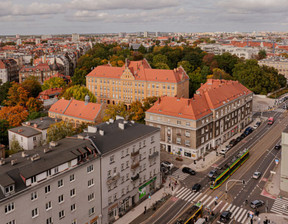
(186, 65)
(161, 65)
(220, 74)
(32, 86)
(78, 93)
(227, 62)
(60, 130)
(262, 54)
(15, 146)
(149, 102)
(79, 77)
(54, 82)
(4, 88)
(195, 81)
(159, 58)
(142, 49)
(34, 115)
(4, 126)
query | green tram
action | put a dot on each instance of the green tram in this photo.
(192, 215)
(230, 168)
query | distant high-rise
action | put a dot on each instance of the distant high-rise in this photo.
(37, 41)
(75, 37)
(19, 42)
(17, 36)
(145, 33)
(121, 34)
(157, 34)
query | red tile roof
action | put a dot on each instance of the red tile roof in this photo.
(141, 70)
(77, 109)
(210, 95)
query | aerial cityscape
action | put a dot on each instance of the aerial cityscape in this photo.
(143, 112)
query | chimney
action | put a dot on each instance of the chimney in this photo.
(188, 101)
(53, 144)
(101, 132)
(121, 126)
(111, 121)
(20, 130)
(35, 125)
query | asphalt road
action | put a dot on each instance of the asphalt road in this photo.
(261, 144)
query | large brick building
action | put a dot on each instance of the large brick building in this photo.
(190, 127)
(136, 80)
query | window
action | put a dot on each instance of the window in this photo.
(49, 220)
(127, 164)
(60, 198)
(10, 207)
(61, 214)
(48, 205)
(11, 222)
(56, 170)
(90, 183)
(60, 183)
(74, 221)
(178, 140)
(91, 197)
(109, 173)
(109, 200)
(115, 196)
(90, 168)
(114, 170)
(9, 189)
(47, 189)
(33, 179)
(72, 177)
(35, 212)
(178, 122)
(187, 133)
(33, 196)
(72, 192)
(112, 159)
(187, 142)
(91, 211)
(73, 207)
(187, 123)
(122, 166)
(152, 139)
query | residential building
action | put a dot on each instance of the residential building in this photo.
(279, 63)
(55, 184)
(130, 164)
(284, 165)
(136, 80)
(31, 134)
(75, 37)
(190, 127)
(77, 111)
(8, 70)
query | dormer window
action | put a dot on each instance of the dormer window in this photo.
(9, 189)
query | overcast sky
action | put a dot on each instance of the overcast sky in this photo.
(107, 16)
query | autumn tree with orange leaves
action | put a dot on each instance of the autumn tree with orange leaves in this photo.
(17, 95)
(34, 105)
(15, 115)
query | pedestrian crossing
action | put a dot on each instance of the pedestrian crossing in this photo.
(239, 214)
(280, 206)
(179, 175)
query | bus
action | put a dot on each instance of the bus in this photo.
(270, 120)
(192, 214)
(230, 168)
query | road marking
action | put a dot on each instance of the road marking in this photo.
(233, 207)
(217, 206)
(224, 207)
(236, 216)
(241, 216)
(210, 203)
(236, 209)
(202, 199)
(195, 195)
(180, 190)
(244, 216)
(195, 199)
(207, 200)
(184, 192)
(228, 209)
(190, 196)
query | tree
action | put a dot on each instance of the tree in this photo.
(113, 110)
(15, 146)
(34, 115)
(32, 86)
(136, 112)
(142, 49)
(159, 58)
(262, 54)
(79, 76)
(17, 95)
(4, 126)
(149, 102)
(78, 93)
(14, 115)
(186, 65)
(227, 62)
(4, 88)
(34, 105)
(60, 130)
(220, 74)
(54, 82)
(161, 65)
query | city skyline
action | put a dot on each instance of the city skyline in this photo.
(88, 16)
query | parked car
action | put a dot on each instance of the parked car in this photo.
(278, 146)
(248, 130)
(196, 187)
(238, 139)
(243, 135)
(256, 203)
(233, 142)
(188, 170)
(223, 151)
(225, 216)
(256, 175)
(164, 169)
(167, 164)
(257, 124)
(212, 173)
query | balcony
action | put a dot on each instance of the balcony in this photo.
(133, 154)
(135, 165)
(153, 155)
(113, 178)
(135, 177)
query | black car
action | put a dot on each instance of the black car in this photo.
(256, 203)
(196, 187)
(188, 170)
(238, 139)
(278, 146)
(242, 135)
(233, 142)
(225, 216)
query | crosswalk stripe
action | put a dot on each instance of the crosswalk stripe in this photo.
(219, 203)
(196, 199)
(239, 212)
(241, 216)
(212, 201)
(207, 200)
(231, 209)
(234, 212)
(202, 199)
(195, 195)
(180, 190)
(224, 207)
(190, 196)
(228, 209)
(244, 216)
(179, 195)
